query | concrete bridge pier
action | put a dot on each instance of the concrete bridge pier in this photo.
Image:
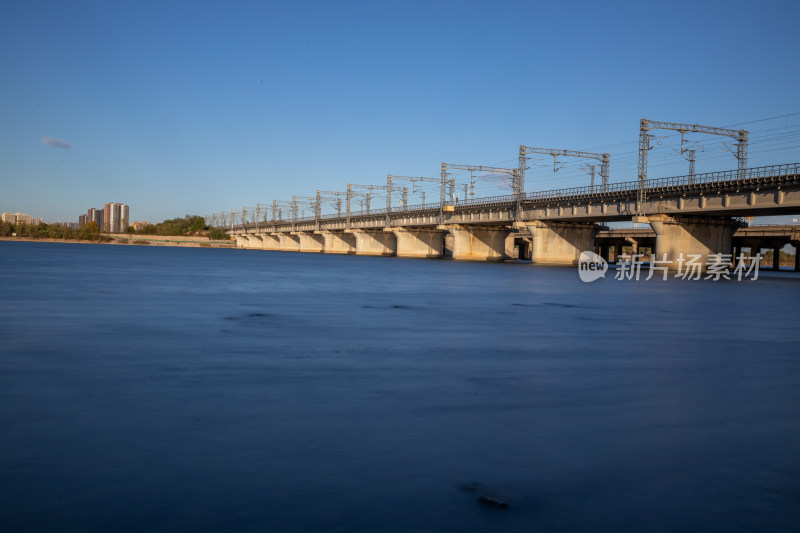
(512, 249)
(289, 242)
(477, 243)
(339, 242)
(690, 235)
(560, 243)
(447, 251)
(310, 241)
(270, 241)
(423, 242)
(374, 242)
(776, 258)
(634, 244)
(247, 241)
(256, 242)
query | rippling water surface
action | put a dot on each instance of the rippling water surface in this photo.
(189, 389)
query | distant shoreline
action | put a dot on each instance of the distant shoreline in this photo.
(136, 240)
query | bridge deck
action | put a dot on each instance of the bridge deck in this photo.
(714, 193)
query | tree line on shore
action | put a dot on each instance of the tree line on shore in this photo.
(42, 230)
(186, 226)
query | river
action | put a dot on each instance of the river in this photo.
(190, 389)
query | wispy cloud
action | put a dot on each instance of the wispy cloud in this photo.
(58, 143)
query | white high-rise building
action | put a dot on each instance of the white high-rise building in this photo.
(116, 218)
(124, 217)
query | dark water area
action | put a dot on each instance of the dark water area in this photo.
(189, 389)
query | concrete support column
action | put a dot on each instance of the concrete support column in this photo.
(690, 235)
(510, 245)
(776, 259)
(247, 241)
(370, 242)
(448, 246)
(477, 243)
(447, 251)
(289, 242)
(424, 242)
(560, 243)
(339, 242)
(256, 242)
(270, 241)
(311, 242)
(615, 248)
(618, 250)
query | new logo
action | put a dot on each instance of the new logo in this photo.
(591, 267)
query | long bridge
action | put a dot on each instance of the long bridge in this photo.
(693, 214)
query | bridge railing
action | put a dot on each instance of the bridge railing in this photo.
(626, 187)
(430, 206)
(487, 200)
(725, 176)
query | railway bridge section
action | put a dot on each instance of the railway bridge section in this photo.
(695, 214)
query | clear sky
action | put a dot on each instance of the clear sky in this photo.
(198, 107)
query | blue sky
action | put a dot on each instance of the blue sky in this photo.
(199, 107)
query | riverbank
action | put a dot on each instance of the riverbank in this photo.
(139, 240)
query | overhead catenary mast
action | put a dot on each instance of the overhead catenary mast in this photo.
(645, 125)
(513, 173)
(604, 159)
(414, 180)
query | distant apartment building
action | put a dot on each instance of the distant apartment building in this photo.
(96, 216)
(110, 217)
(20, 218)
(124, 217)
(115, 218)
